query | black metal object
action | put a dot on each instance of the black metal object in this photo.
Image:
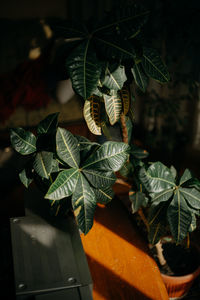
(49, 260)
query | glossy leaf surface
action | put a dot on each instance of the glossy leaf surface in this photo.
(185, 177)
(84, 204)
(110, 156)
(25, 178)
(179, 217)
(49, 124)
(43, 163)
(157, 178)
(113, 105)
(99, 178)
(67, 147)
(23, 141)
(161, 196)
(84, 69)
(153, 65)
(192, 196)
(104, 195)
(64, 185)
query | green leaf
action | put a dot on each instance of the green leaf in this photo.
(113, 105)
(110, 156)
(140, 77)
(64, 185)
(104, 195)
(43, 163)
(84, 69)
(25, 177)
(126, 21)
(193, 182)
(192, 196)
(92, 114)
(84, 143)
(161, 196)
(138, 152)
(179, 217)
(67, 147)
(55, 166)
(23, 141)
(84, 204)
(115, 80)
(138, 200)
(114, 47)
(157, 222)
(49, 124)
(100, 178)
(173, 171)
(157, 178)
(153, 65)
(185, 177)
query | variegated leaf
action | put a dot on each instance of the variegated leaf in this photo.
(91, 112)
(115, 80)
(113, 105)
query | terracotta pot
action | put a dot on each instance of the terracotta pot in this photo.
(178, 286)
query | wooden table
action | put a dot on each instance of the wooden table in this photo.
(118, 258)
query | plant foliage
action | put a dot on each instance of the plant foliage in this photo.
(104, 56)
(173, 201)
(72, 167)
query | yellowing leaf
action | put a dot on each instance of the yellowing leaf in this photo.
(91, 112)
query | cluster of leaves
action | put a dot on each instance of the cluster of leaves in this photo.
(173, 202)
(105, 56)
(69, 166)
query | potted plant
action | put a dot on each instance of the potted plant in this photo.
(105, 60)
(69, 167)
(172, 205)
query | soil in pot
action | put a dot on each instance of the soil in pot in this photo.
(180, 260)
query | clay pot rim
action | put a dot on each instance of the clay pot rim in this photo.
(183, 278)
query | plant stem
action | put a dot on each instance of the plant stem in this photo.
(160, 255)
(124, 128)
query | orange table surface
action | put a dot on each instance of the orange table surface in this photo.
(118, 258)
